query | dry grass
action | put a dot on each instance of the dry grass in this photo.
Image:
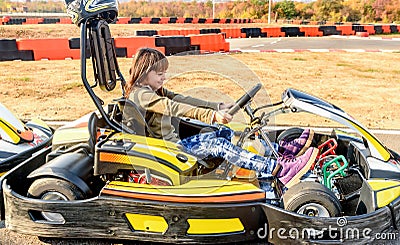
(366, 85)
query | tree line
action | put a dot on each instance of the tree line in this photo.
(363, 11)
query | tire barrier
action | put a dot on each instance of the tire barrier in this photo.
(311, 31)
(60, 49)
(345, 30)
(253, 32)
(147, 33)
(126, 20)
(370, 30)
(273, 31)
(208, 31)
(29, 21)
(277, 31)
(174, 44)
(233, 32)
(187, 32)
(51, 49)
(132, 44)
(292, 31)
(209, 43)
(9, 51)
(329, 30)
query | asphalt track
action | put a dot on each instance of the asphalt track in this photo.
(316, 44)
(391, 138)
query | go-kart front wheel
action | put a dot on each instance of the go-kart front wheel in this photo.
(290, 134)
(311, 199)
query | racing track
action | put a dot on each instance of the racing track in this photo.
(316, 44)
(320, 44)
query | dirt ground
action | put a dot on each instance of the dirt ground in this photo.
(356, 82)
(366, 85)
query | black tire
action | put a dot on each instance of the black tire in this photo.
(290, 134)
(64, 189)
(312, 199)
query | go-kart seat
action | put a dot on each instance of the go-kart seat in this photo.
(133, 119)
(87, 147)
(92, 127)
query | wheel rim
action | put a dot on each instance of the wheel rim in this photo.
(51, 216)
(313, 209)
(54, 196)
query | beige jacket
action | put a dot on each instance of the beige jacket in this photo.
(160, 106)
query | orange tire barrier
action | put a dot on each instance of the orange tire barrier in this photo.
(30, 21)
(346, 30)
(51, 49)
(386, 29)
(164, 20)
(273, 31)
(65, 21)
(186, 32)
(210, 42)
(198, 40)
(220, 44)
(232, 32)
(181, 20)
(168, 32)
(132, 44)
(209, 21)
(311, 31)
(123, 20)
(370, 29)
(145, 20)
(7, 20)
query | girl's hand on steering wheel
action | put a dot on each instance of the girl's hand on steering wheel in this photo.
(223, 106)
(222, 117)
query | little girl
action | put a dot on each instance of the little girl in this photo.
(145, 88)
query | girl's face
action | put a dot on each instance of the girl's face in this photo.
(155, 79)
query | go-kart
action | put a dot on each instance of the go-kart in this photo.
(107, 177)
(20, 140)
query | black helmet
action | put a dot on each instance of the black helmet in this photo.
(80, 10)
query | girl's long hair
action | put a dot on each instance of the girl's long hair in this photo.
(146, 60)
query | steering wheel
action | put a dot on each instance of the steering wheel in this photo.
(242, 102)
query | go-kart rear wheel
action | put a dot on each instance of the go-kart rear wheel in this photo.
(54, 189)
(311, 199)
